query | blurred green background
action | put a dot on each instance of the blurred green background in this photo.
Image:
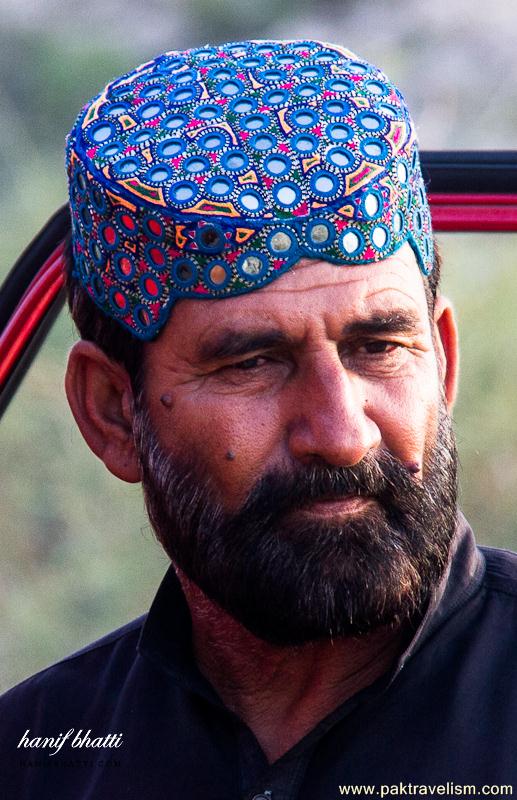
(78, 555)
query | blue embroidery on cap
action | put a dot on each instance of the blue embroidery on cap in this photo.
(211, 172)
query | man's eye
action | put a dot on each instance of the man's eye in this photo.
(249, 363)
(379, 346)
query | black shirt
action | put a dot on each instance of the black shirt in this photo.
(443, 719)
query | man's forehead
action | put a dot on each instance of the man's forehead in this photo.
(399, 271)
(313, 294)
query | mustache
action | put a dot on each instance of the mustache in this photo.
(378, 475)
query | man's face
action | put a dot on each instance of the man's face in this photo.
(303, 473)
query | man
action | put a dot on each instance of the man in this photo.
(263, 345)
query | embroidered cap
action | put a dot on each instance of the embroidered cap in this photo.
(210, 172)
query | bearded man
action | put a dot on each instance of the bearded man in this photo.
(263, 345)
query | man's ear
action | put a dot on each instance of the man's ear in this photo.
(100, 396)
(447, 350)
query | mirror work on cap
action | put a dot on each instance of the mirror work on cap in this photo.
(210, 172)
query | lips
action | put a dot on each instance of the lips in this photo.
(335, 505)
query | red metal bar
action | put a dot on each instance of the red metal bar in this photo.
(32, 308)
(474, 218)
(474, 212)
(451, 198)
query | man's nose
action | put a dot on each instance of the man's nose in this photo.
(330, 420)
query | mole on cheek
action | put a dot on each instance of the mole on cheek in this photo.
(230, 455)
(166, 400)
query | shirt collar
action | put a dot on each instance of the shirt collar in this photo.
(166, 638)
(461, 580)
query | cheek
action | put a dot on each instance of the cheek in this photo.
(406, 413)
(235, 438)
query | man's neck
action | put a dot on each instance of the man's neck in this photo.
(281, 693)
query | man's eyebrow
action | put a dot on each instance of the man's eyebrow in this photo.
(401, 321)
(231, 343)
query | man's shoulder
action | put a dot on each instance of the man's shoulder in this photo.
(104, 661)
(501, 570)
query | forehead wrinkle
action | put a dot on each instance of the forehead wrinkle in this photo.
(327, 284)
(403, 259)
(407, 295)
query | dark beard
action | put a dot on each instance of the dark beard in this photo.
(290, 579)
